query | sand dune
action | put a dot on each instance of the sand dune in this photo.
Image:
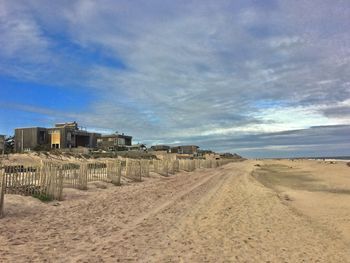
(210, 215)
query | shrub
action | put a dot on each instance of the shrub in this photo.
(43, 197)
(42, 148)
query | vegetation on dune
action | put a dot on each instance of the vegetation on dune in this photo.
(43, 197)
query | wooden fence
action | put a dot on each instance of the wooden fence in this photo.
(135, 169)
(187, 165)
(145, 168)
(168, 166)
(78, 175)
(44, 181)
(2, 192)
(163, 167)
(156, 166)
(48, 179)
(132, 170)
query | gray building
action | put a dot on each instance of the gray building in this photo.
(62, 136)
(160, 147)
(2, 144)
(27, 139)
(137, 147)
(114, 142)
(185, 149)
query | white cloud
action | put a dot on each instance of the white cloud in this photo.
(21, 38)
(194, 69)
(285, 41)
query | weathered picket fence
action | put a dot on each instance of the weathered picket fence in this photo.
(77, 175)
(166, 166)
(169, 166)
(44, 180)
(48, 179)
(187, 165)
(161, 167)
(145, 171)
(136, 169)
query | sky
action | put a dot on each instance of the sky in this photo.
(260, 78)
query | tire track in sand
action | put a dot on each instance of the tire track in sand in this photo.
(246, 222)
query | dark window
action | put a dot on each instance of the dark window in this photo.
(42, 137)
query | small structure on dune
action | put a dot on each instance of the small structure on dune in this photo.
(185, 149)
(160, 147)
(114, 142)
(2, 144)
(230, 156)
(137, 147)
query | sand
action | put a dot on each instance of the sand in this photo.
(34, 158)
(210, 215)
(324, 196)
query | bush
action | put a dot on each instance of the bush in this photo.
(42, 148)
(43, 197)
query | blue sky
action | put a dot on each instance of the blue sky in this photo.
(261, 78)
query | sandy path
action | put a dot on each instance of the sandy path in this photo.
(221, 215)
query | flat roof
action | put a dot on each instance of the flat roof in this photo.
(185, 146)
(30, 128)
(115, 135)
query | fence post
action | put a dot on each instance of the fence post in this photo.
(156, 166)
(137, 171)
(115, 172)
(176, 166)
(60, 185)
(140, 170)
(109, 170)
(82, 177)
(144, 168)
(119, 171)
(42, 177)
(2, 192)
(51, 187)
(127, 167)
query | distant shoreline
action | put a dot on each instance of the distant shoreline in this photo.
(336, 158)
(333, 159)
(321, 158)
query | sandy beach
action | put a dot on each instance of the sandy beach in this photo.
(252, 211)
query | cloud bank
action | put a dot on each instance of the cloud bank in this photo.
(228, 75)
